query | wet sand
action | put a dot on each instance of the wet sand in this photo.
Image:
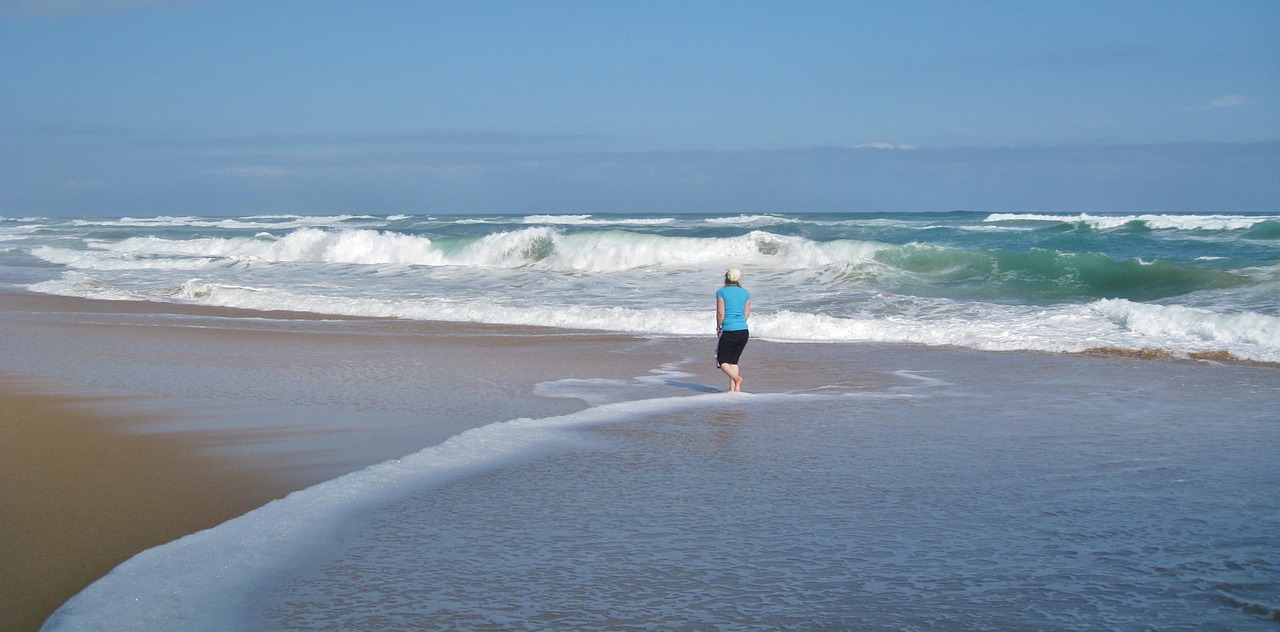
(127, 425)
(82, 491)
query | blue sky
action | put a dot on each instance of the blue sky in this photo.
(144, 107)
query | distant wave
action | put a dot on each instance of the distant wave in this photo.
(251, 222)
(588, 220)
(1154, 222)
(752, 220)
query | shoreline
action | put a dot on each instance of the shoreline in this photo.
(83, 490)
(127, 425)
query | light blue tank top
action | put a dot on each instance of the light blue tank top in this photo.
(735, 306)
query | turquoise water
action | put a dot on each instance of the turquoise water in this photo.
(1174, 284)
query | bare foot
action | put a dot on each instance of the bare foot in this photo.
(737, 384)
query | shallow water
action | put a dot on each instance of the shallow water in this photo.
(1090, 494)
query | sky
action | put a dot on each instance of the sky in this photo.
(210, 107)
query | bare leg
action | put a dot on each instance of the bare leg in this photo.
(735, 380)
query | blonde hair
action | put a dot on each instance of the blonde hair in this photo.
(732, 276)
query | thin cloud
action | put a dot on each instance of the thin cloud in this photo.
(1229, 101)
(883, 146)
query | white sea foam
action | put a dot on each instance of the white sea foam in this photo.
(1186, 325)
(600, 391)
(1067, 328)
(1108, 323)
(117, 260)
(639, 321)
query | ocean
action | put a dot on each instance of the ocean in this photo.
(1177, 285)
(953, 421)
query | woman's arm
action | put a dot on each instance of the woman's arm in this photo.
(746, 310)
(719, 313)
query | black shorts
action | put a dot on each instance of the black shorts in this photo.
(731, 345)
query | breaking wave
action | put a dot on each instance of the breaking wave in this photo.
(592, 251)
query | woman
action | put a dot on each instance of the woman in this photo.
(733, 307)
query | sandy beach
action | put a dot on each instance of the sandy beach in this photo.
(126, 425)
(129, 425)
(83, 489)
